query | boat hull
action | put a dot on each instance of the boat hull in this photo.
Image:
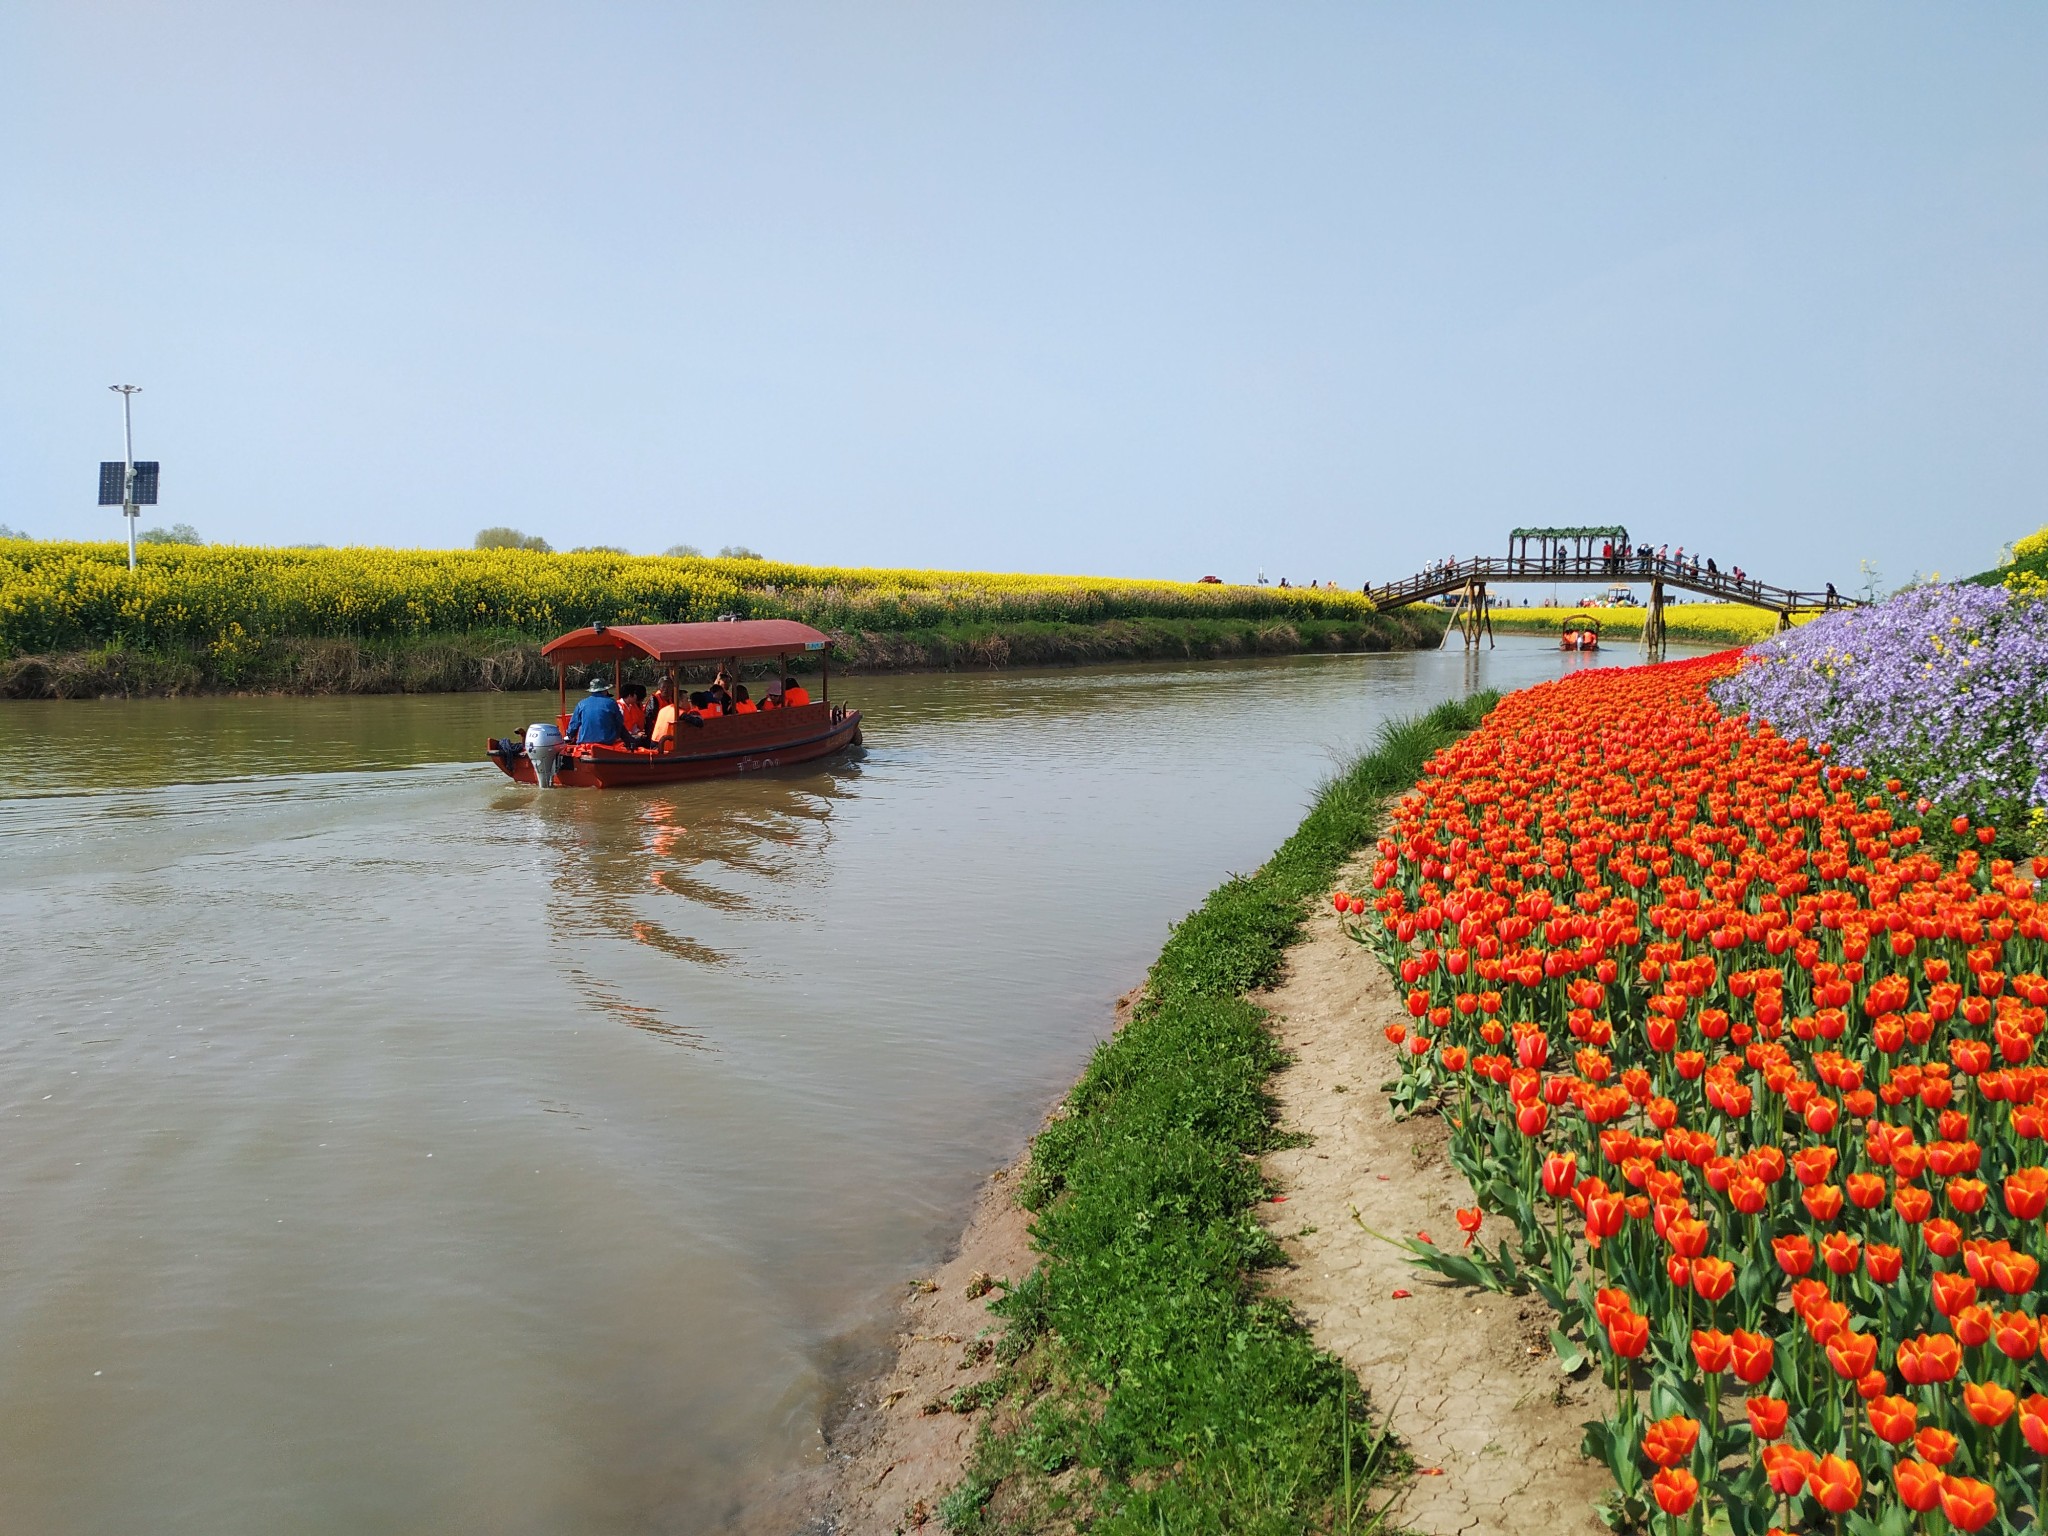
(715, 750)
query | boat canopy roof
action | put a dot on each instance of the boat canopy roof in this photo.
(741, 639)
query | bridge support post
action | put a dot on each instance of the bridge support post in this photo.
(1472, 617)
(1653, 622)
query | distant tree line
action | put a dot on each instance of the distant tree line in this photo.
(177, 533)
(512, 538)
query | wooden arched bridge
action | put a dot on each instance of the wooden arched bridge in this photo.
(1582, 556)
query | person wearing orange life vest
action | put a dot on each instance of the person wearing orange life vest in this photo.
(633, 710)
(742, 703)
(664, 733)
(793, 694)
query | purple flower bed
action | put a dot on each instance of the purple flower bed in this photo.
(1947, 687)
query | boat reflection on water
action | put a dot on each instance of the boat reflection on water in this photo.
(684, 873)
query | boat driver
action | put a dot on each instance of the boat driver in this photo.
(596, 720)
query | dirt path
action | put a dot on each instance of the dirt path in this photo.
(1465, 1379)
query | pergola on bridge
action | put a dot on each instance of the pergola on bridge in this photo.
(1576, 554)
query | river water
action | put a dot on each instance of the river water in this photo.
(387, 1148)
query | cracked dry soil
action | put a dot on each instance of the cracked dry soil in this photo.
(1465, 1380)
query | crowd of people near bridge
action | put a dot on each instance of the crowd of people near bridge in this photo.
(1624, 560)
(1614, 559)
(1620, 559)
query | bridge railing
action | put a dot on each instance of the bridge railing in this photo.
(1451, 575)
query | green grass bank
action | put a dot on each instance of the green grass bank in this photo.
(481, 661)
(1149, 1385)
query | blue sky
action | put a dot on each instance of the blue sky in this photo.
(1138, 289)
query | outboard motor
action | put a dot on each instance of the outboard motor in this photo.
(543, 750)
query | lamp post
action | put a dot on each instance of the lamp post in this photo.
(127, 392)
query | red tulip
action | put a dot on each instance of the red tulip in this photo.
(1560, 1173)
(2017, 1335)
(1852, 1354)
(2026, 1193)
(1668, 1442)
(1953, 1292)
(1935, 1445)
(1837, 1483)
(1988, 1403)
(1912, 1203)
(1919, 1484)
(1787, 1467)
(2034, 1423)
(1767, 1416)
(1675, 1491)
(1894, 1419)
(1604, 1216)
(1713, 1278)
(2015, 1273)
(1794, 1253)
(1973, 1326)
(1930, 1359)
(1823, 1202)
(1713, 1350)
(1839, 1251)
(1968, 1504)
(1629, 1336)
(1753, 1356)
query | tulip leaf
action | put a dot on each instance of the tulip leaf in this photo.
(1571, 1357)
(1893, 1522)
(1452, 1266)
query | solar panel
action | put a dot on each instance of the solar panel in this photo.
(112, 472)
(145, 483)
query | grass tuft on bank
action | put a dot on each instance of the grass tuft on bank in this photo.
(1151, 1385)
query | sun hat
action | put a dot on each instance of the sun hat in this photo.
(599, 685)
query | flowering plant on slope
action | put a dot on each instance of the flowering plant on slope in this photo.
(1943, 685)
(1752, 1072)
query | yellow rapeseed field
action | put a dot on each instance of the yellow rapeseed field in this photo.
(1711, 623)
(71, 596)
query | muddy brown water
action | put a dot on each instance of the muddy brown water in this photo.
(387, 1148)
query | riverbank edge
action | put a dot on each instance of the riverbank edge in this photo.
(502, 662)
(1143, 1378)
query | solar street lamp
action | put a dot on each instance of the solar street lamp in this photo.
(125, 483)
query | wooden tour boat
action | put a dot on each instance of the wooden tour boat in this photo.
(703, 748)
(1581, 633)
